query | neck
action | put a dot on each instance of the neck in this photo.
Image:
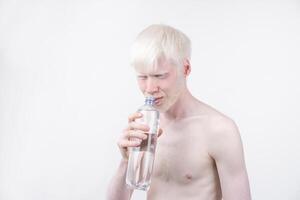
(182, 108)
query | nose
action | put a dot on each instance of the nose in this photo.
(151, 86)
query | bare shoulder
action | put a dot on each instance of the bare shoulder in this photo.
(223, 135)
(221, 131)
(217, 122)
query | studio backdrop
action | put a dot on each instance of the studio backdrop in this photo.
(66, 88)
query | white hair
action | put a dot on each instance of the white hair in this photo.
(159, 42)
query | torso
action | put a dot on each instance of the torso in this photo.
(183, 168)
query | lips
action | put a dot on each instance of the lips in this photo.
(158, 100)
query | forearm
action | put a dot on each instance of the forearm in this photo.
(117, 189)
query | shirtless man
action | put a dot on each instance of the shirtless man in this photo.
(199, 156)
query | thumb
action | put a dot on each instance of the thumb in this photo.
(160, 131)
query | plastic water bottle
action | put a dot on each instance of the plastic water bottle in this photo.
(141, 158)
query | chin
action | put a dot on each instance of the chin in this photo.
(167, 103)
(163, 108)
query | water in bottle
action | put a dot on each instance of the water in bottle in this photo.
(141, 158)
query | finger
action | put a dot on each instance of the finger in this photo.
(129, 143)
(160, 131)
(134, 116)
(138, 126)
(137, 134)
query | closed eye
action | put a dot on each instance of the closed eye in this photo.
(160, 76)
(142, 77)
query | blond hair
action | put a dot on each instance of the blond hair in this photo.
(160, 42)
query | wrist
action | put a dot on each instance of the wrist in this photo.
(124, 161)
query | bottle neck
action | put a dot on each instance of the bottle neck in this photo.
(149, 101)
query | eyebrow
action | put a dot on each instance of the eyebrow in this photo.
(160, 74)
(152, 74)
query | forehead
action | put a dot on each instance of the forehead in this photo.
(159, 67)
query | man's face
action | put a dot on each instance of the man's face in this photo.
(165, 83)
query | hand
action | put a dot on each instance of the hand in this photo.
(133, 134)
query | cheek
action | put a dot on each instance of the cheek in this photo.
(168, 84)
(141, 85)
(164, 85)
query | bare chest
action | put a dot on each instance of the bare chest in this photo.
(182, 157)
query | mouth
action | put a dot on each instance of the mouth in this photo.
(158, 100)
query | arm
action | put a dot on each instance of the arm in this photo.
(227, 150)
(117, 189)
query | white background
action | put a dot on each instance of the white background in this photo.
(66, 88)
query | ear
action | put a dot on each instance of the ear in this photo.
(186, 67)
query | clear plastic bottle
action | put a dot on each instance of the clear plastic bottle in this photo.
(141, 158)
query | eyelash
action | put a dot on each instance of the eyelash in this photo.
(142, 77)
(156, 76)
(161, 76)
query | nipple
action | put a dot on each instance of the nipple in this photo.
(188, 176)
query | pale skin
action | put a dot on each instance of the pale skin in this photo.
(199, 153)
